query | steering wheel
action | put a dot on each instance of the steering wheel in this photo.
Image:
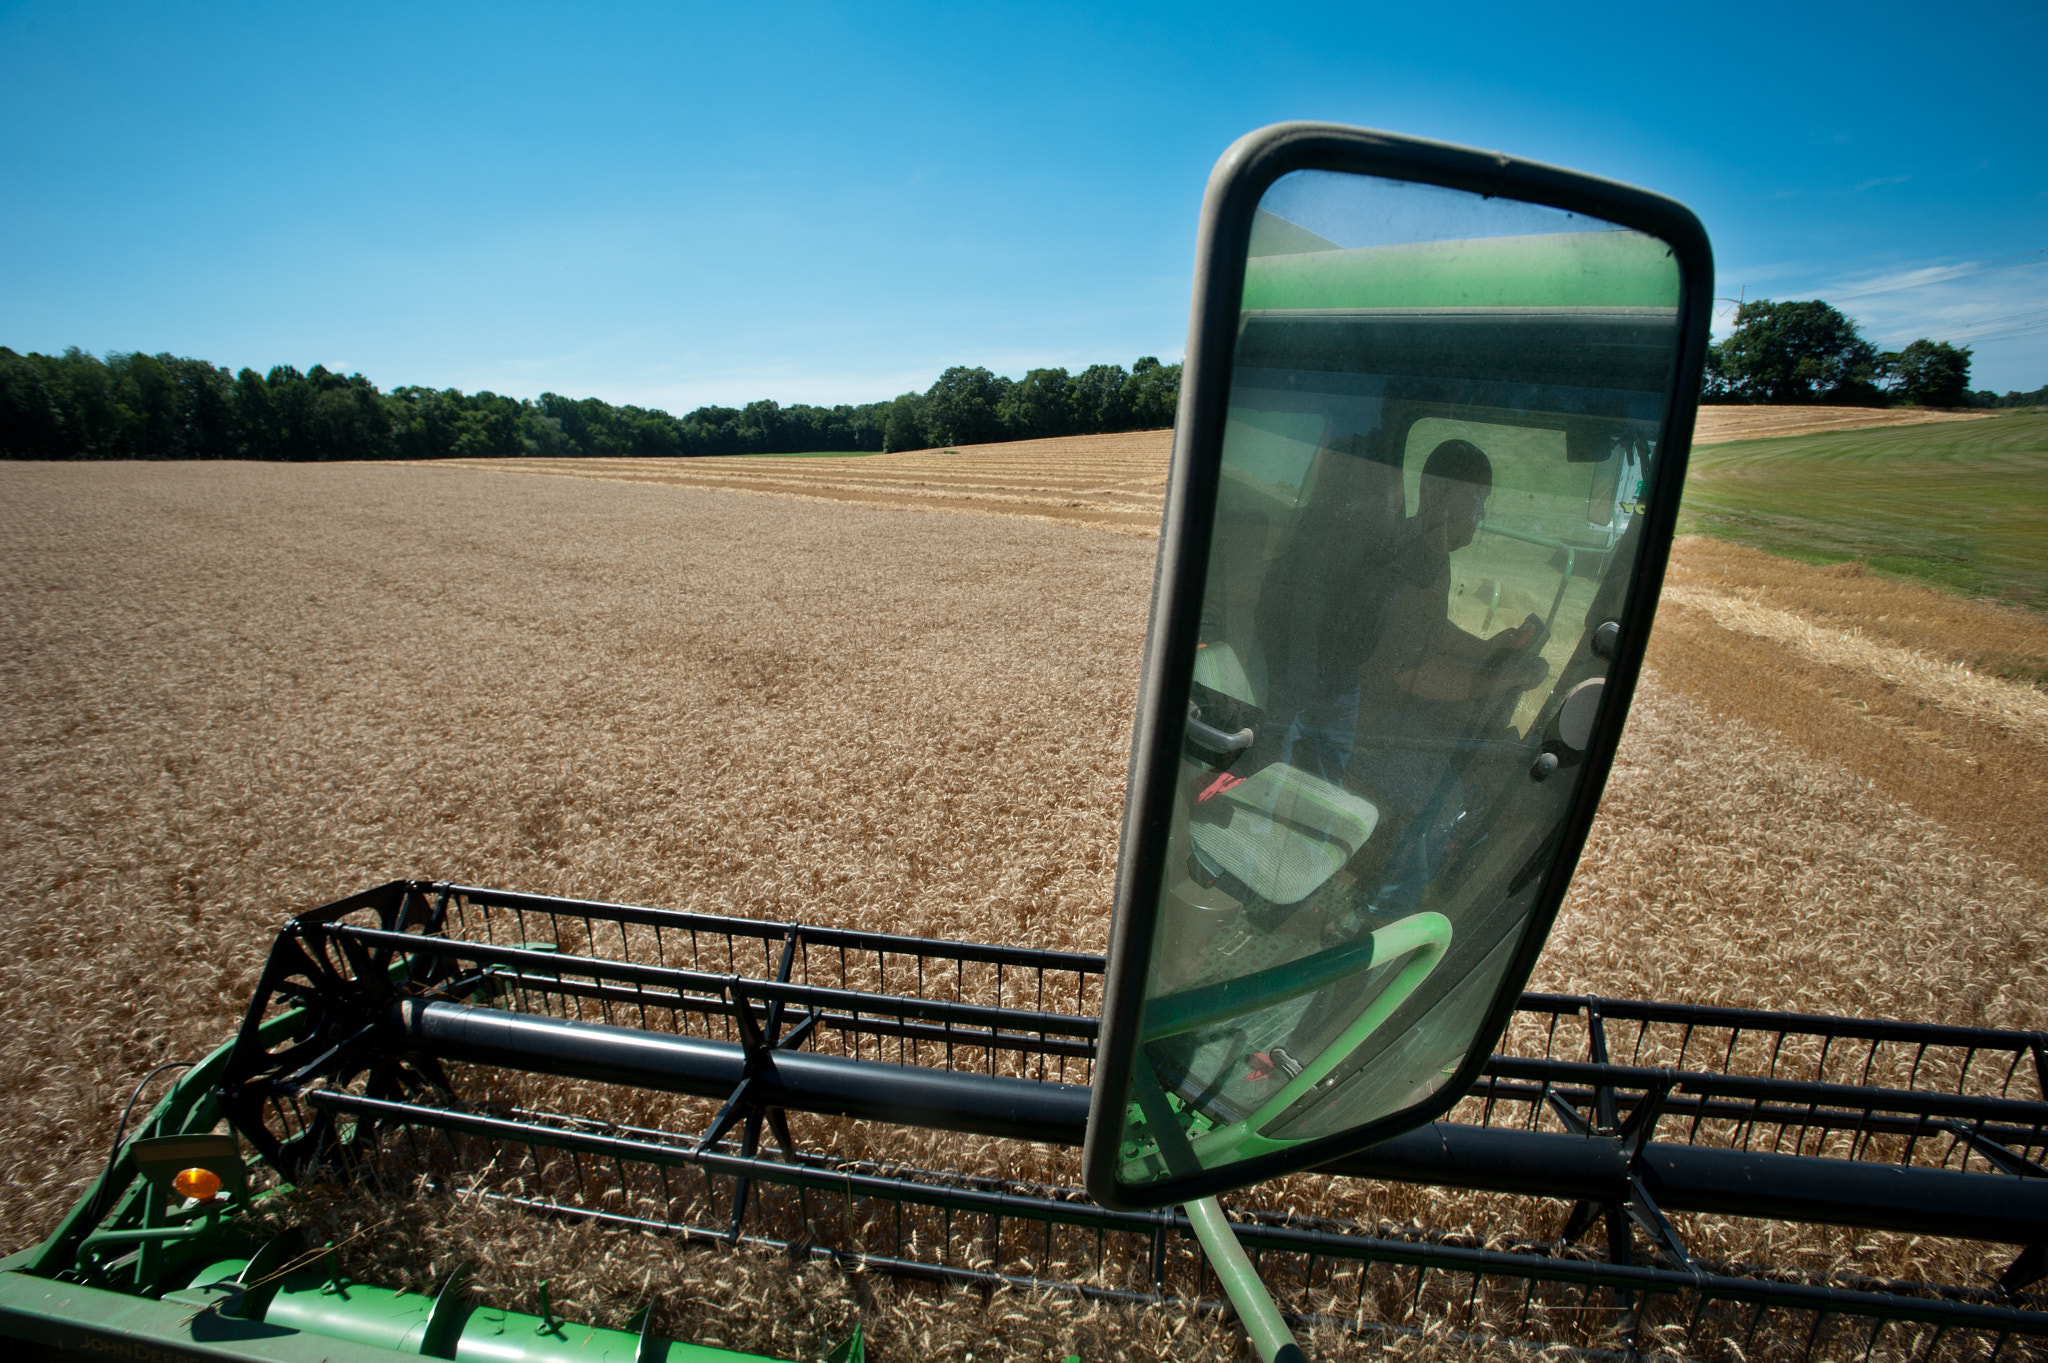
(1422, 937)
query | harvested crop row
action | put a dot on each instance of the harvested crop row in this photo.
(1763, 422)
(1865, 672)
(1112, 482)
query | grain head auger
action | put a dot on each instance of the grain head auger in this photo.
(1426, 469)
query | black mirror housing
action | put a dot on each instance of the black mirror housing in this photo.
(1381, 598)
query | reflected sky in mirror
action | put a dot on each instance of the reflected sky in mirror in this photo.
(1354, 210)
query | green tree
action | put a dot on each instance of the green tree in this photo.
(151, 394)
(1039, 405)
(347, 418)
(865, 425)
(762, 428)
(712, 430)
(1984, 397)
(102, 415)
(253, 417)
(963, 407)
(137, 406)
(289, 433)
(652, 434)
(903, 426)
(1153, 394)
(424, 421)
(1930, 373)
(32, 410)
(207, 406)
(1100, 403)
(1794, 352)
(489, 428)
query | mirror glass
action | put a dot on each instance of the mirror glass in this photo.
(1444, 413)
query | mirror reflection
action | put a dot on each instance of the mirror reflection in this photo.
(1444, 415)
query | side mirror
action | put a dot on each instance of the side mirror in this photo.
(1401, 603)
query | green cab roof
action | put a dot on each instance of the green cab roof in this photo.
(1612, 269)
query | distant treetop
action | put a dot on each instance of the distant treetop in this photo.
(1808, 352)
(136, 406)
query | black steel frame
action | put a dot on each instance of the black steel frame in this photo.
(410, 993)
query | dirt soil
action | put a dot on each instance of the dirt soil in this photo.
(231, 691)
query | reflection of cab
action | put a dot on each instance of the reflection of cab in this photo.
(1399, 662)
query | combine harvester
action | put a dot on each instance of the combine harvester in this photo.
(1425, 475)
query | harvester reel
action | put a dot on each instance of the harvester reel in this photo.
(349, 1039)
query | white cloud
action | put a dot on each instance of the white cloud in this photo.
(1998, 310)
(1997, 306)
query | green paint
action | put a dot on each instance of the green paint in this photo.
(1567, 269)
(90, 1322)
(1423, 938)
(315, 1315)
(1962, 506)
(1242, 1284)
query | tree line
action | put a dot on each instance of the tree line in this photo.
(1809, 352)
(137, 406)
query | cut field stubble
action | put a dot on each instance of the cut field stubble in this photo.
(1900, 684)
(1110, 482)
(1962, 506)
(232, 691)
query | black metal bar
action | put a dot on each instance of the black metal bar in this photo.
(389, 901)
(391, 897)
(1595, 1076)
(1800, 1024)
(1969, 1107)
(1752, 1113)
(1065, 1047)
(1918, 1201)
(1996, 1152)
(819, 1178)
(852, 939)
(1252, 1233)
(550, 963)
(1915, 1200)
(712, 1006)
(910, 1095)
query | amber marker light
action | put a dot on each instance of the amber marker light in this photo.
(201, 1185)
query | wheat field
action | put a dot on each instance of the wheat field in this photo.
(233, 691)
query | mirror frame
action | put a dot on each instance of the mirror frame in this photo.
(1236, 186)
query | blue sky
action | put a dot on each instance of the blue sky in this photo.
(675, 204)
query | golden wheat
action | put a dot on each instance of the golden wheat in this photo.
(232, 691)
